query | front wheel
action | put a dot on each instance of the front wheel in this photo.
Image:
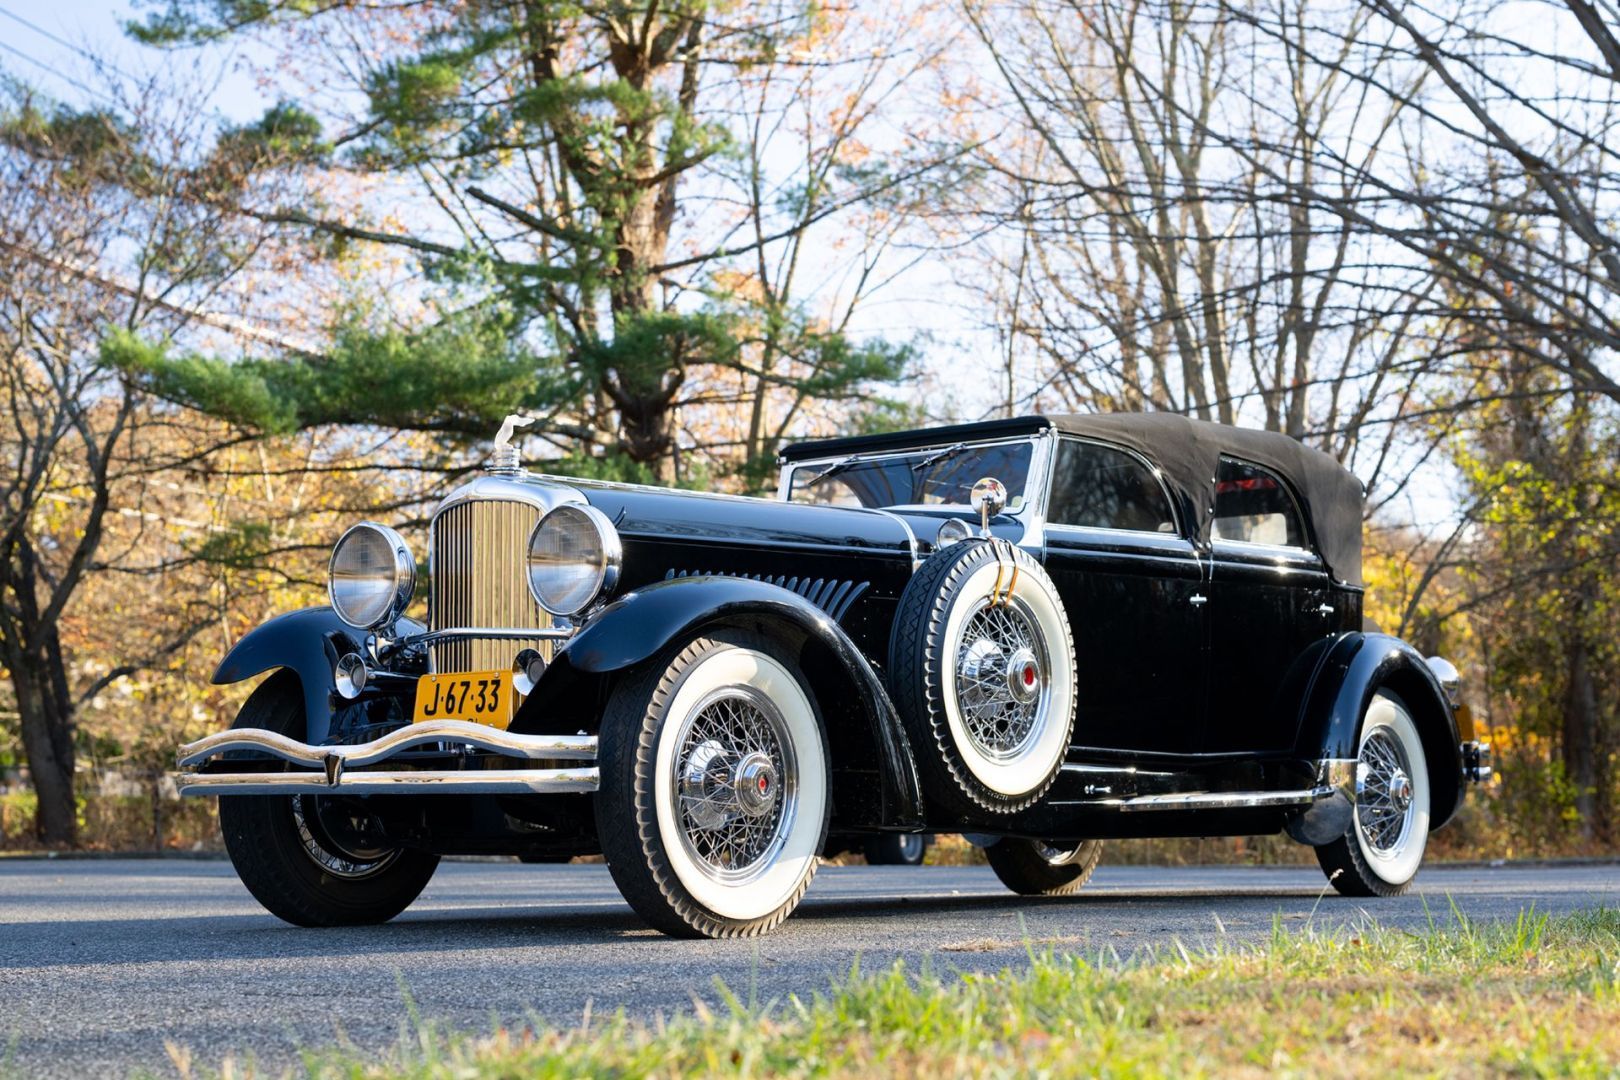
(1041, 868)
(314, 860)
(713, 803)
(1381, 852)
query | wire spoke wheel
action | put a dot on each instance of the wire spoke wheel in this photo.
(314, 860)
(314, 818)
(714, 799)
(1384, 799)
(982, 672)
(1043, 867)
(737, 788)
(999, 684)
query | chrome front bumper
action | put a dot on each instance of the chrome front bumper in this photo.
(345, 769)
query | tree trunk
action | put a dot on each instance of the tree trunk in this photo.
(1580, 731)
(47, 736)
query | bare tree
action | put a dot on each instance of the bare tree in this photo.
(1182, 211)
(95, 238)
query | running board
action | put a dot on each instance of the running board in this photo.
(1226, 800)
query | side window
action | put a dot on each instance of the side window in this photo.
(1253, 506)
(1103, 488)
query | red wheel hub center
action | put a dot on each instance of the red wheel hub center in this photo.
(1024, 676)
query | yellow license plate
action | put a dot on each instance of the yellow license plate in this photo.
(484, 697)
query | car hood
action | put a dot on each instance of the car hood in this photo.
(652, 514)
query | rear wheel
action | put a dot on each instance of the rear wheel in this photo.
(1381, 852)
(896, 849)
(713, 803)
(1042, 868)
(314, 860)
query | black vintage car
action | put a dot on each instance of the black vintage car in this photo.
(1042, 632)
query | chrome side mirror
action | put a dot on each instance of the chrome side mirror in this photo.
(989, 496)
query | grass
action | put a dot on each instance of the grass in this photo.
(1539, 996)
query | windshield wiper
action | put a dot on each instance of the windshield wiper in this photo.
(855, 459)
(938, 456)
(832, 470)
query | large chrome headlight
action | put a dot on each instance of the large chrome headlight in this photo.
(573, 558)
(371, 576)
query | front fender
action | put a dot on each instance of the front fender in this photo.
(309, 642)
(1355, 668)
(640, 625)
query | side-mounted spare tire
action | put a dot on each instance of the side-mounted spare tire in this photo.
(981, 669)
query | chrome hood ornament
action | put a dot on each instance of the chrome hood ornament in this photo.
(503, 458)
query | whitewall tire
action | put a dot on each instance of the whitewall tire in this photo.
(714, 801)
(981, 669)
(1381, 852)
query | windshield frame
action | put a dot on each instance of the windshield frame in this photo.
(1031, 513)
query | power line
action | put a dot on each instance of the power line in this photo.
(64, 42)
(43, 66)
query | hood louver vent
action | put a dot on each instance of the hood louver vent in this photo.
(830, 595)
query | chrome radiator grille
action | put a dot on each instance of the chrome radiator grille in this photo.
(479, 579)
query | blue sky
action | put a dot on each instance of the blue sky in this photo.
(46, 43)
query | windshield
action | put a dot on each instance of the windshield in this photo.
(941, 476)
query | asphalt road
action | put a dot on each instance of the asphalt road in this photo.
(103, 962)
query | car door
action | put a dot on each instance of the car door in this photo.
(1130, 580)
(1269, 602)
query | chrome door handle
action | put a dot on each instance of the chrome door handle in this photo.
(1197, 599)
(1321, 609)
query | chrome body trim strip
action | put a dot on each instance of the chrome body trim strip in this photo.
(1295, 556)
(911, 537)
(502, 633)
(461, 732)
(423, 782)
(1226, 800)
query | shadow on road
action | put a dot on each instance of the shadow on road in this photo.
(44, 944)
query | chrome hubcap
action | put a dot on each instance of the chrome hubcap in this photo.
(1383, 792)
(1058, 854)
(737, 785)
(755, 785)
(1024, 676)
(1000, 676)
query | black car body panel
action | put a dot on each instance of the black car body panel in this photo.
(855, 562)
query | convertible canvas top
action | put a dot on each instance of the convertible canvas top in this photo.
(1188, 452)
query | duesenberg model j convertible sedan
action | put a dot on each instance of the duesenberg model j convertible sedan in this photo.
(1040, 632)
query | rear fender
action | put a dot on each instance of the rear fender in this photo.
(1355, 668)
(307, 642)
(864, 732)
